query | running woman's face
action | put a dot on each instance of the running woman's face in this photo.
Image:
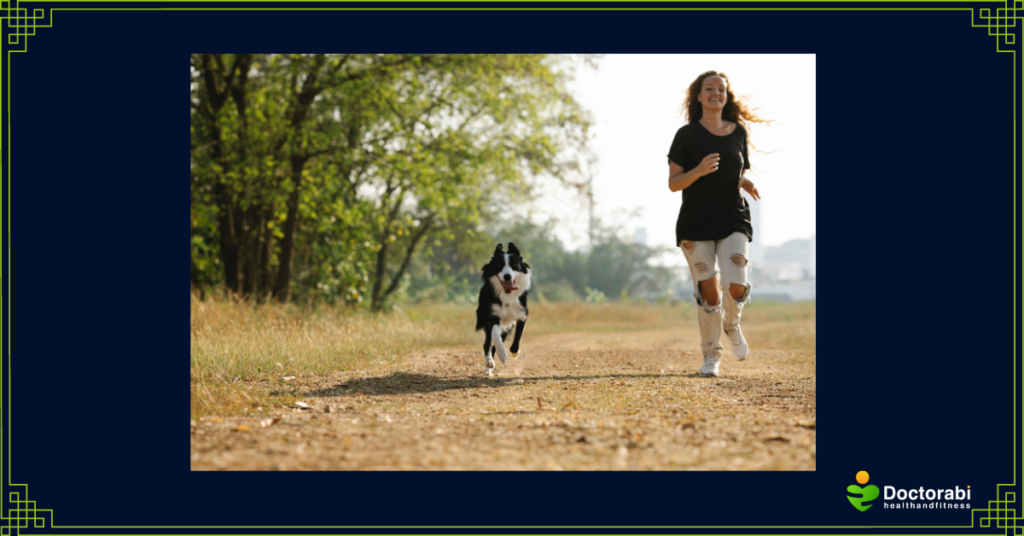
(712, 93)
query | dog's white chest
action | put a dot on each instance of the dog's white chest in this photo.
(508, 311)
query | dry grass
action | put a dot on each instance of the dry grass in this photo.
(233, 341)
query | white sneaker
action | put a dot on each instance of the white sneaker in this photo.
(710, 367)
(738, 343)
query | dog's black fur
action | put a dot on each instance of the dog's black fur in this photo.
(502, 302)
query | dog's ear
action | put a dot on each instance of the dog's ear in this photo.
(514, 251)
(498, 253)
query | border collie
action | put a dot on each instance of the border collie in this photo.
(503, 303)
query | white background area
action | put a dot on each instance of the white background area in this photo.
(635, 101)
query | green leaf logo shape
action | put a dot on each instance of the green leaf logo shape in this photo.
(868, 494)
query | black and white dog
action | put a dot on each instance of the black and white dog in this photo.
(503, 303)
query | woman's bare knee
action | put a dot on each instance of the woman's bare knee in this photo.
(709, 291)
(737, 291)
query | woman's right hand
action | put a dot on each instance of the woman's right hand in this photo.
(680, 180)
(709, 165)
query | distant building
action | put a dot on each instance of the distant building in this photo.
(786, 272)
(640, 236)
(793, 251)
(756, 254)
(813, 255)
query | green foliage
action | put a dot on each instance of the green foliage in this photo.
(613, 267)
(559, 290)
(326, 178)
(594, 295)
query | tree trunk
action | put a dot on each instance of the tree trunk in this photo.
(247, 226)
(228, 248)
(291, 223)
(376, 298)
(197, 286)
(266, 278)
(380, 297)
(214, 74)
(226, 221)
(297, 113)
(251, 250)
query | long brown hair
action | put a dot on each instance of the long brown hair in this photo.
(734, 110)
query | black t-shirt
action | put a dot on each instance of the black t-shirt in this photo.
(713, 207)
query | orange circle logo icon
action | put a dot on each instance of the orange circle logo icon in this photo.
(862, 477)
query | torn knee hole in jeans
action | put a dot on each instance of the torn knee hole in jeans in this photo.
(746, 291)
(711, 309)
(701, 267)
(739, 260)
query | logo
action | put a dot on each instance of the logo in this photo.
(908, 499)
(867, 493)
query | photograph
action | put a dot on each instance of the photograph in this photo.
(503, 262)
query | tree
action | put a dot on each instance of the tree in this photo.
(377, 154)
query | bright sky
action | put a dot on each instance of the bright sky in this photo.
(635, 101)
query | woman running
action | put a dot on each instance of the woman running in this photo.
(708, 162)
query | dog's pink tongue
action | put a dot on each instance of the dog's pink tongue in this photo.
(509, 285)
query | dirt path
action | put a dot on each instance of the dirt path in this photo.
(574, 401)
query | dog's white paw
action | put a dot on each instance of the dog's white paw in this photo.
(502, 354)
(488, 372)
(515, 355)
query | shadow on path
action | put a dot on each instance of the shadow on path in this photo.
(400, 383)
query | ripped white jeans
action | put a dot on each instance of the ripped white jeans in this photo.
(705, 258)
(731, 256)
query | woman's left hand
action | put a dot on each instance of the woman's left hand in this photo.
(748, 185)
